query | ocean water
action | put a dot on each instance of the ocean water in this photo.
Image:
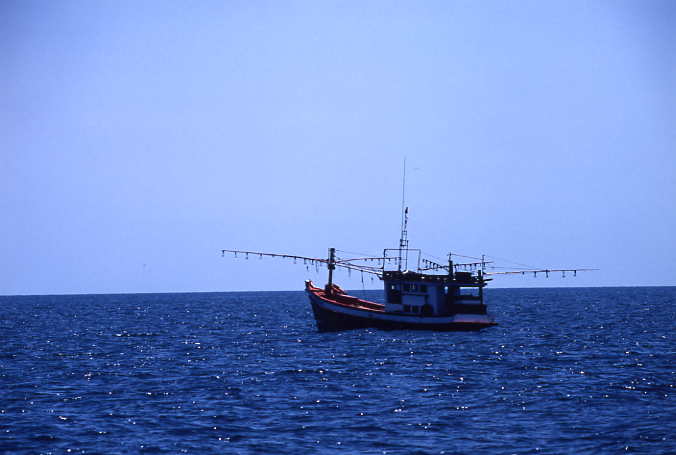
(588, 370)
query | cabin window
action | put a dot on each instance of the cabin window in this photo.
(412, 287)
(474, 292)
(423, 288)
(415, 309)
(407, 308)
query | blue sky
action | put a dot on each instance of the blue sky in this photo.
(137, 139)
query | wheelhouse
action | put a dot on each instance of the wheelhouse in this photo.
(408, 292)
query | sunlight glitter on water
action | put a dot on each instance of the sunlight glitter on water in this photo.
(120, 374)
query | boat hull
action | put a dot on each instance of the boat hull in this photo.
(331, 316)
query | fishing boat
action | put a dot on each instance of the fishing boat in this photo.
(413, 300)
(431, 296)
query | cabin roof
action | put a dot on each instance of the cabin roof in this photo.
(458, 279)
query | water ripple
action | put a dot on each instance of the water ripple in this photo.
(566, 371)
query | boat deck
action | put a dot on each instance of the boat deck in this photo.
(339, 297)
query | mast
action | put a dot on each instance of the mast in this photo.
(331, 265)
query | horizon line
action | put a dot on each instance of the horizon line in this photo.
(299, 290)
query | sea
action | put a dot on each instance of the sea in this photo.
(566, 371)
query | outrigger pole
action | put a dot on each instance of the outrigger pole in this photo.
(332, 262)
(545, 271)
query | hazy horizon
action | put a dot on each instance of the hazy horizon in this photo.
(356, 290)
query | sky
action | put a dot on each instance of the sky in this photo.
(138, 139)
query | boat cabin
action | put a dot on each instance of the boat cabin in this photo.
(414, 293)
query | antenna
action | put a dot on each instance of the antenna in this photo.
(403, 241)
